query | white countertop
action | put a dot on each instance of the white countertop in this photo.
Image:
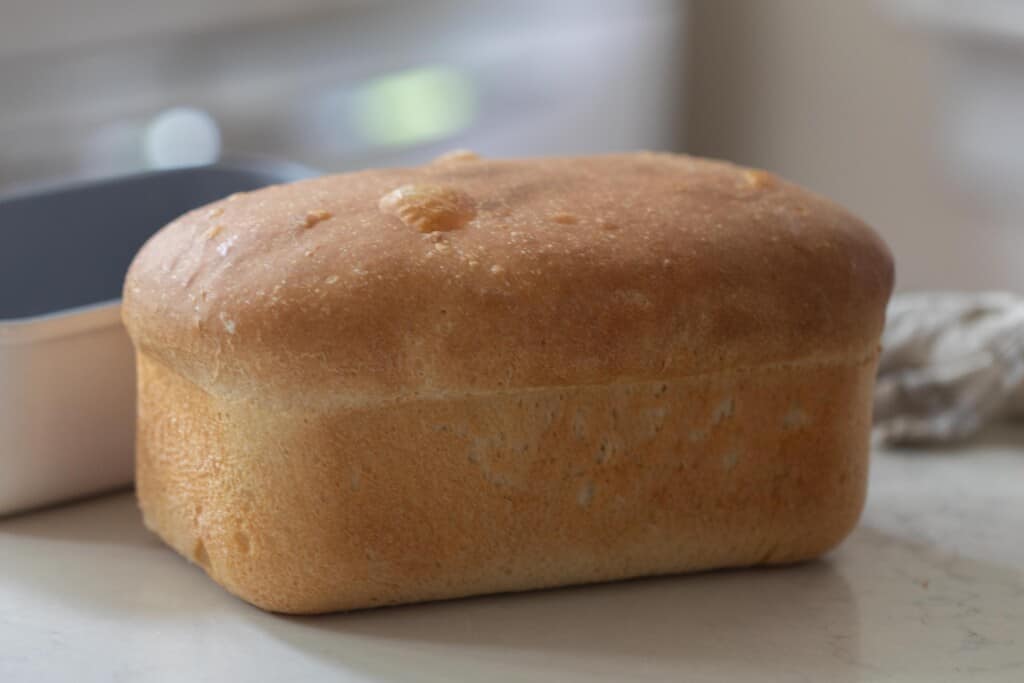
(929, 588)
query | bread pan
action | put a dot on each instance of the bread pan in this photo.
(66, 369)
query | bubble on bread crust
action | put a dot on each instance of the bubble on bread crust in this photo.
(758, 179)
(657, 420)
(214, 231)
(730, 459)
(563, 218)
(429, 208)
(795, 418)
(579, 425)
(585, 494)
(497, 270)
(457, 155)
(314, 217)
(227, 322)
(723, 411)
(215, 212)
(632, 298)
(224, 247)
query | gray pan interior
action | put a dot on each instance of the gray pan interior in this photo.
(70, 247)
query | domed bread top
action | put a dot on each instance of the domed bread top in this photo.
(476, 276)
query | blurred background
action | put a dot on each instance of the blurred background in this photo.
(907, 111)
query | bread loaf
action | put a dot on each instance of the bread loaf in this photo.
(480, 376)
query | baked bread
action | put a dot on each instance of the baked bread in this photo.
(480, 376)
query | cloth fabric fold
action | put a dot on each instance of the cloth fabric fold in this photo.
(951, 362)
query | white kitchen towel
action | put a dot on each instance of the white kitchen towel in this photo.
(951, 362)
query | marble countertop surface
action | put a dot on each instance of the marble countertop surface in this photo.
(930, 587)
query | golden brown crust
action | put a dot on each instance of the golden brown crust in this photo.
(540, 273)
(357, 507)
(478, 376)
